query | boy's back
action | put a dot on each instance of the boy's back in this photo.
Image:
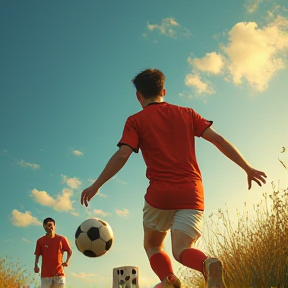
(165, 134)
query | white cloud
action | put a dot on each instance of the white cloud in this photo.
(73, 183)
(24, 219)
(252, 54)
(100, 212)
(169, 27)
(60, 203)
(196, 82)
(123, 212)
(256, 54)
(27, 164)
(77, 153)
(212, 63)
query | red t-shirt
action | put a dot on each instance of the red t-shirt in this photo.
(165, 134)
(51, 250)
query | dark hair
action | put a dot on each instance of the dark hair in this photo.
(48, 220)
(149, 83)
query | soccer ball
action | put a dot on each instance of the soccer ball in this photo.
(94, 237)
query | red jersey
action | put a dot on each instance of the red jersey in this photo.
(51, 250)
(165, 134)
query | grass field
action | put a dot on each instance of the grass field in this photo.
(12, 275)
(253, 249)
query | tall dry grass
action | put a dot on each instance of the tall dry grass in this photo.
(253, 248)
(12, 275)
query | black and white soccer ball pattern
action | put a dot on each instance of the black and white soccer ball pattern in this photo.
(94, 237)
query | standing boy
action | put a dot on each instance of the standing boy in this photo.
(52, 247)
(174, 200)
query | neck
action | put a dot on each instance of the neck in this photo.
(50, 234)
(158, 99)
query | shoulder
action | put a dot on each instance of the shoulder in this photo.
(181, 109)
(136, 115)
(41, 239)
(60, 236)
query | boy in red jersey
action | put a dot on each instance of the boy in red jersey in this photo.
(52, 247)
(174, 200)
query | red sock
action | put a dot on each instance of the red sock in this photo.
(193, 258)
(161, 265)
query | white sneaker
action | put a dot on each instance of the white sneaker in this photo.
(212, 268)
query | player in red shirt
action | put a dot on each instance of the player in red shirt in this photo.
(174, 200)
(52, 247)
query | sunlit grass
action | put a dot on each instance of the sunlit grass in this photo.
(12, 275)
(253, 249)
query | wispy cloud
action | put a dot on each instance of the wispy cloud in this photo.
(101, 194)
(169, 27)
(25, 240)
(100, 212)
(4, 152)
(61, 202)
(24, 219)
(253, 55)
(252, 5)
(123, 212)
(29, 165)
(89, 277)
(73, 183)
(83, 275)
(77, 153)
(119, 180)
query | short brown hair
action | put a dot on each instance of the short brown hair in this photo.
(149, 82)
(49, 219)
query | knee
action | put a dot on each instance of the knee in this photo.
(152, 249)
(176, 252)
(146, 246)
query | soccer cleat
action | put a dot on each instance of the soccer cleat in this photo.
(212, 268)
(170, 281)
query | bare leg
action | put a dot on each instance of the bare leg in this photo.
(153, 241)
(180, 242)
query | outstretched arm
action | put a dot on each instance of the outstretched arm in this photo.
(116, 162)
(233, 154)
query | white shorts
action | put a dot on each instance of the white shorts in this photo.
(189, 221)
(53, 282)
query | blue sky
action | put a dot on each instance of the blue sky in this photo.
(65, 90)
